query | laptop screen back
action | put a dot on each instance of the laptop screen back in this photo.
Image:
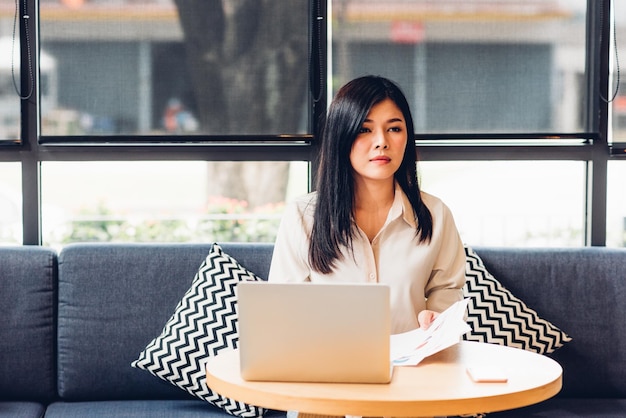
(314, 332)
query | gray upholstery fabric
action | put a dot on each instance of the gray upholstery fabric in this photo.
(582, 291)
(139, 409)
(113, 300)
(568, 408)
(27, 328)
(256, 257)
(21, 410)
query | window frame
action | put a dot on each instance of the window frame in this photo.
(591, 147)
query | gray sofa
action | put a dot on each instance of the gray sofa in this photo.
(74, 321)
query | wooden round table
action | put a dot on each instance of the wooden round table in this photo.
(439, 385)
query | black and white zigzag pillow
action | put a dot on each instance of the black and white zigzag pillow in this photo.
(498, 317)
(204, 323)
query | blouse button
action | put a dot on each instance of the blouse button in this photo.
(372, 277)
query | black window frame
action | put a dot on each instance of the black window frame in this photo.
(592, 147)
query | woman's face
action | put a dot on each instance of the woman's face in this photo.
(378, 149)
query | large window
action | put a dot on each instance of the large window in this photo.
(616, 198)
(179, 71)
(509, 66)
(617, 91)
(10, 204)
(10, 87)
(163, 201)
(168, 120)
(616, 206)
(163, 67)
(512, 203)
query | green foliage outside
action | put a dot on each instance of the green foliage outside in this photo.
(225, 220)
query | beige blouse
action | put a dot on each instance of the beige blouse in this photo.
(428, 275)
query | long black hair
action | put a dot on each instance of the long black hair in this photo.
(334, 217)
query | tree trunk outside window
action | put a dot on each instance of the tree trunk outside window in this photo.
(247, 60)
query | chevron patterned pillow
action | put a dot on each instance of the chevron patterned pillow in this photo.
(498, 317)
(203, 324)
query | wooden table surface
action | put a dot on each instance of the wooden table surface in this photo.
(439, 385)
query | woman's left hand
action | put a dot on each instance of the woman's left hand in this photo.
(426, 317)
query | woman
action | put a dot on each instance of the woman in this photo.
(368, 221)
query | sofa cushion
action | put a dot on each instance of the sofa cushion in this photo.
(27, 329)
(496, 316)
(582, 290)
(21, 410)
(568, 408)
(113, 299)
(140, 409)
(203, 324)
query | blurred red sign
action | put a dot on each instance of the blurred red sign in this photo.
(403, 32)
(619, 105)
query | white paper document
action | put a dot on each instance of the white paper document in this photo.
(409, 348)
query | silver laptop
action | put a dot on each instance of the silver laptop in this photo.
(306, 332)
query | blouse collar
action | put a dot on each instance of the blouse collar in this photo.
(402, 207)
